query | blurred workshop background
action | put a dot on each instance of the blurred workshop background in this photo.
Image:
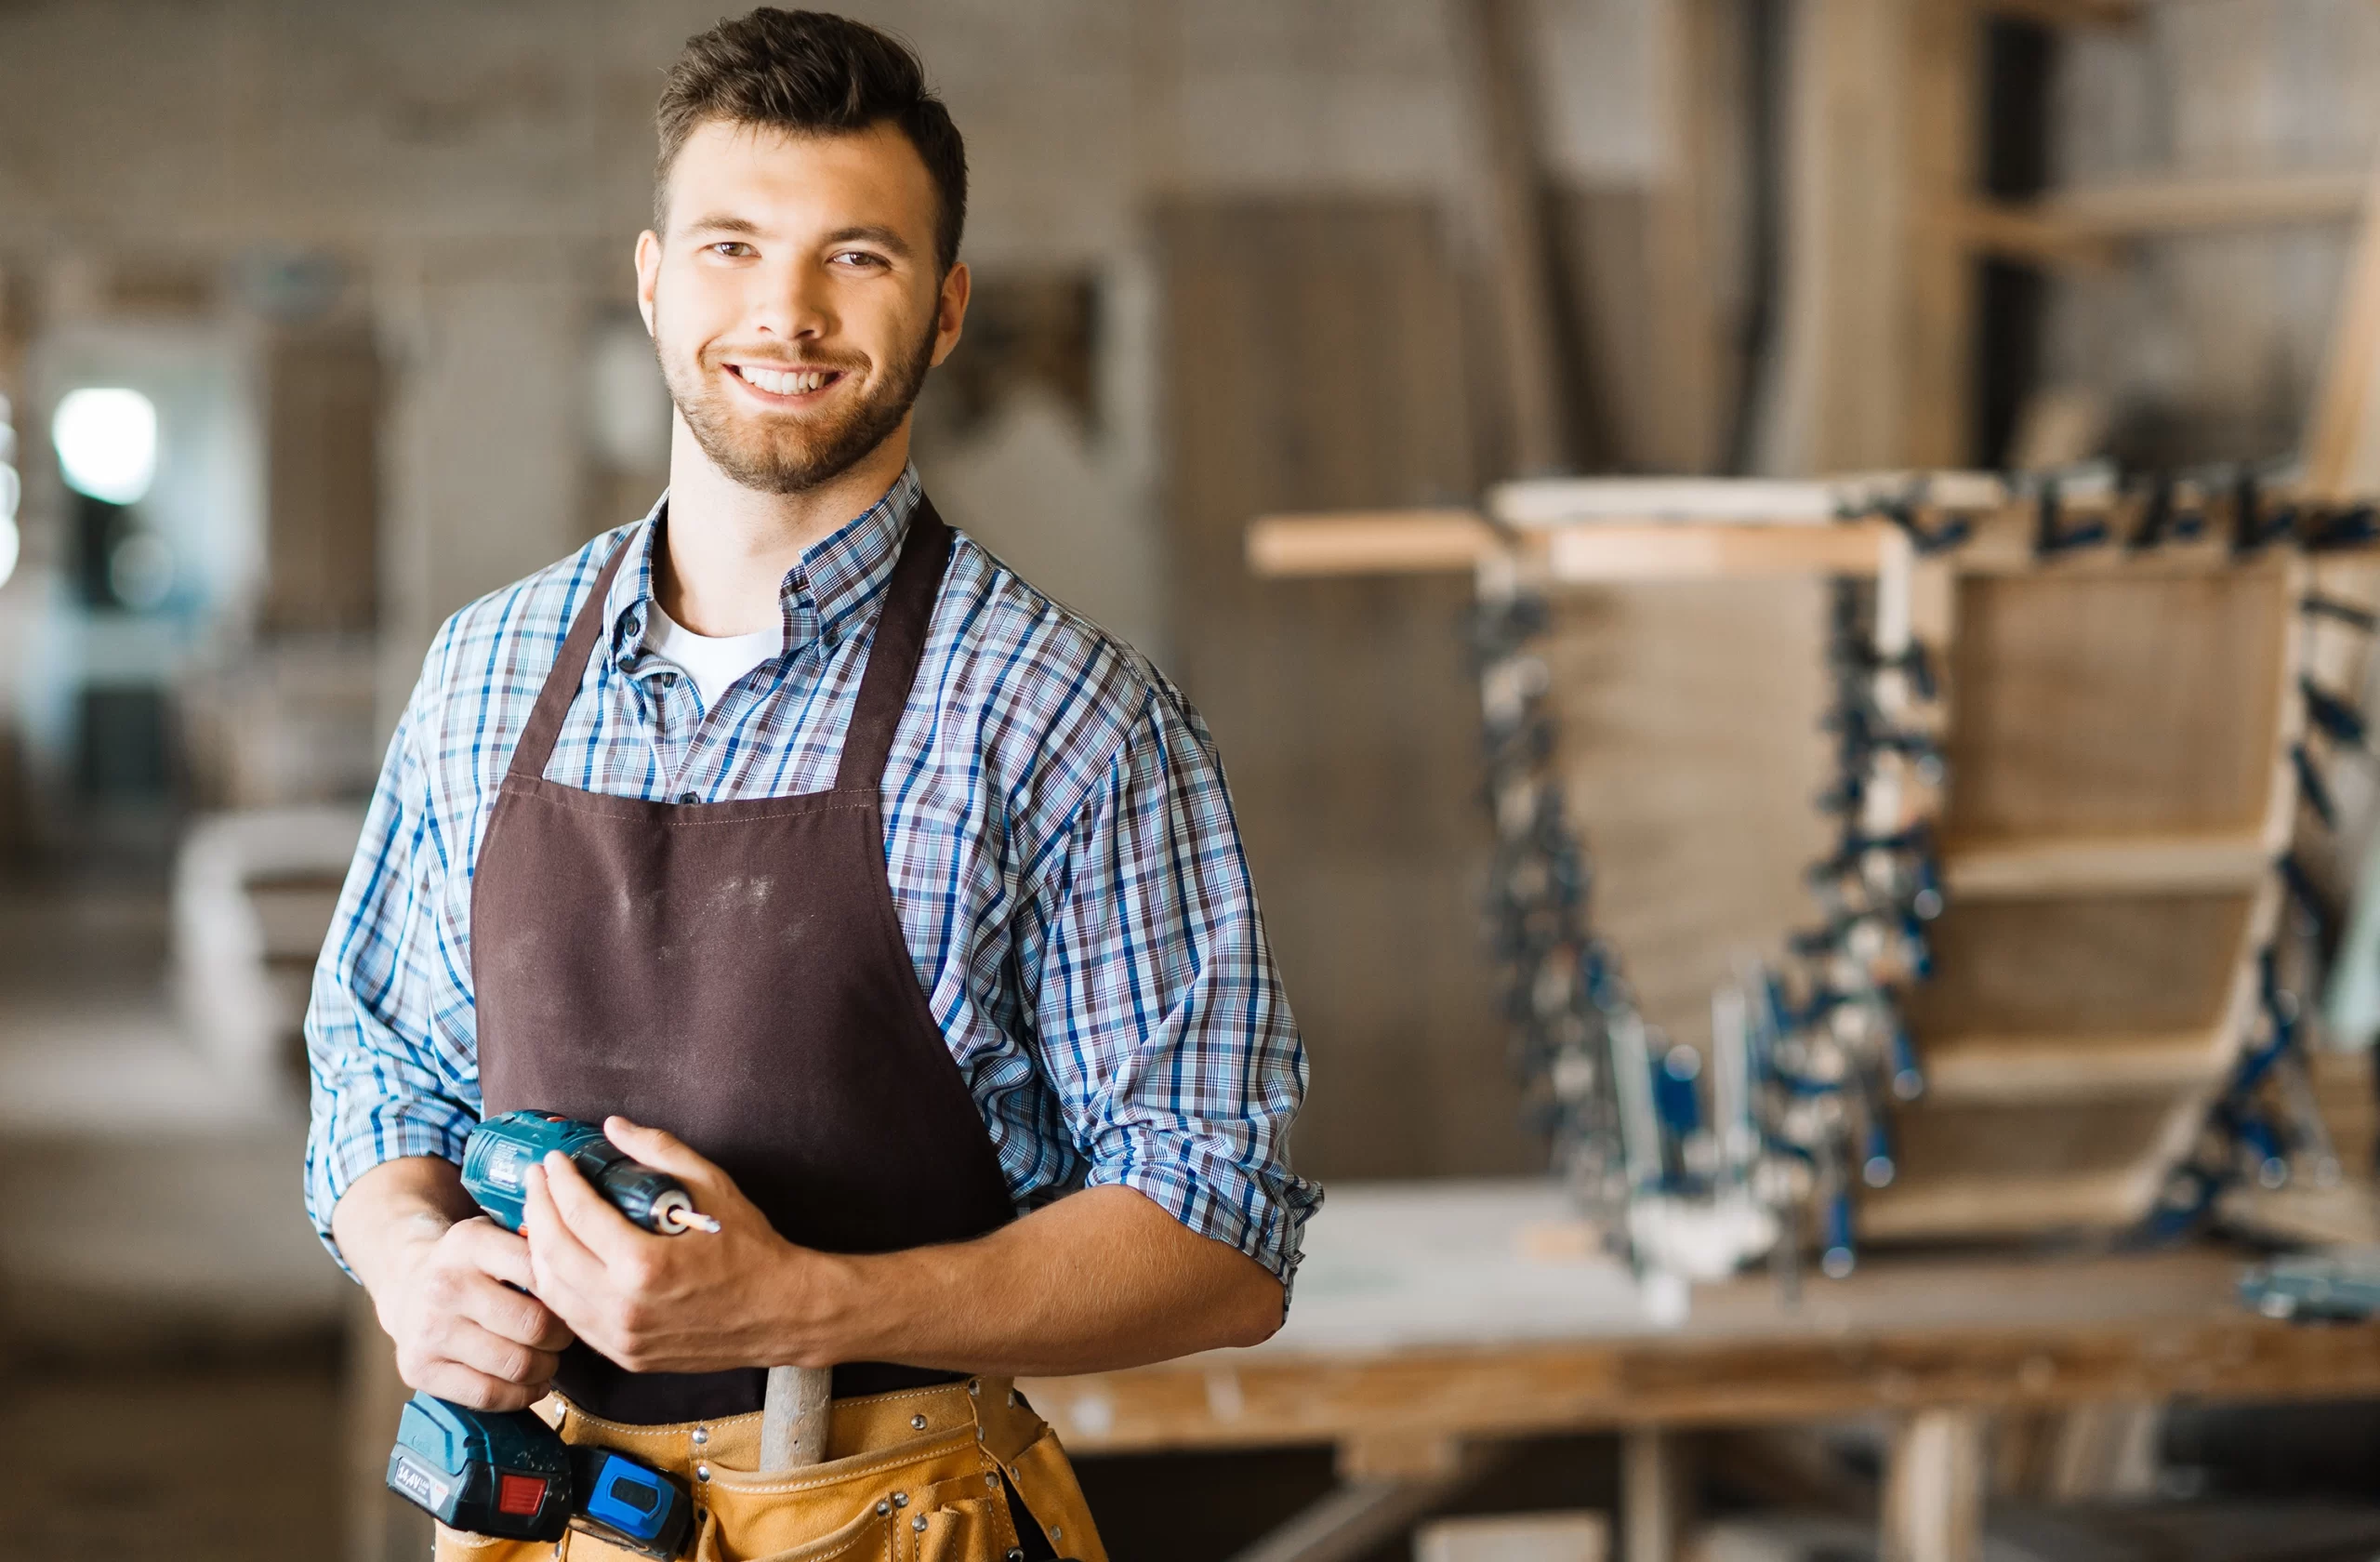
(316, 323)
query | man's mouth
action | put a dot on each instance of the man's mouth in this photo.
(787, 382)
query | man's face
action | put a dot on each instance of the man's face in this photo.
(793, 298)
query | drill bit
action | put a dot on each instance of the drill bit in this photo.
(697, 1221)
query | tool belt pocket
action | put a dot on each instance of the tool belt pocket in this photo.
(944, 1505)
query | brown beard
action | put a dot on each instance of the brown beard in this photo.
(785, 454)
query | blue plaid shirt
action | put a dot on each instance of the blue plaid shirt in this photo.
(1060, 844)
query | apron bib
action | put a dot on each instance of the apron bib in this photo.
(735, 972)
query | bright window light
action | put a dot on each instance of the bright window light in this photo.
(107, 443)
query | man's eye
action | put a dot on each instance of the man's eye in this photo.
(858, 257)
(733, 249)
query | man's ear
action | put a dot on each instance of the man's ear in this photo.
(950, 311)
(648, 275)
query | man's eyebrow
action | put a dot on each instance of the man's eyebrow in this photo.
(885, 237)
(721, 222)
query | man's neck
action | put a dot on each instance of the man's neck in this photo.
(728, 547)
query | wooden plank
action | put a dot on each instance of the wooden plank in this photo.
(1508, 182)
(1343, 708)
(1609, 552)
(1689, 746)
(1559, 501)
(2176, 205)
(2103, 704)
(2005, 1070)
(323, 412)
(2080, 225)
(2136, 963)
(1377, 542)
(1896, 1335)
(2342, 441)
(2101, 864)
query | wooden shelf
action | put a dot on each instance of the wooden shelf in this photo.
(2086, 226)
(2113, 864)
(2010, 1070)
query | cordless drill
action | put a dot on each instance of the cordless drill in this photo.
(508, 1473)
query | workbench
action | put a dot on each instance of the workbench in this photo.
(1432, 1321)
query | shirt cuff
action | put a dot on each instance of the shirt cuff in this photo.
(1262, 1213)
(358, 1141)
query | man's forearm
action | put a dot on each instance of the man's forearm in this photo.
(1098, 1281)
(397, 1208)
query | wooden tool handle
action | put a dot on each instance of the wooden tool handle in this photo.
(795, 1417)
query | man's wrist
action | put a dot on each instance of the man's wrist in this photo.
(839, 1308)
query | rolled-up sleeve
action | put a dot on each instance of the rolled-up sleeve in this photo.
(1158, 1013)
(388, 1023)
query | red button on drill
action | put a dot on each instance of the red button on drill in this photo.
(519, 1494)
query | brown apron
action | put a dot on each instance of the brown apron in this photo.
(735, 972)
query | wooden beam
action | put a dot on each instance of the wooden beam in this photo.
(2342, 442)
(1895, 1336)
(1664, 551)
(1654, 1496)
(1509, 181)
(1933, 1508)
(1370, 542)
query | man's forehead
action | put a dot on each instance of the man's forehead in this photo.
(753, 173)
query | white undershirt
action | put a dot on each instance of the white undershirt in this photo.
(712, 661)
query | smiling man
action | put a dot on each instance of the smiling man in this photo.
(896, 908)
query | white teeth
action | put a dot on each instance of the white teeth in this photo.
(778, 384)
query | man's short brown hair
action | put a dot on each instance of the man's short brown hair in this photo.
(811, 72)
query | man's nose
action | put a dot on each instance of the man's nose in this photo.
(793, 302)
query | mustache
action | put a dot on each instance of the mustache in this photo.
(769, 358)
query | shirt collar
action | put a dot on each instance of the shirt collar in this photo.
(821, 596)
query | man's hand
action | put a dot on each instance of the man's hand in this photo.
(698, 1301)
(440, 1276)
(462, 1332)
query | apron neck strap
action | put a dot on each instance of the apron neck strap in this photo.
(892, 659)
(536, 745)
(883, 689)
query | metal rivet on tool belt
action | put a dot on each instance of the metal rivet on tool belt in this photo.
(974, 1388)
(883, 1508)
(991, 1480)
(702, 1472)
(918, 1523)
(701, 1437)
(900, 1499)
(919, 1423)
(1015, 1554)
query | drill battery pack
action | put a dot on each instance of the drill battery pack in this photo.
(508, 1475)
(504, 1474)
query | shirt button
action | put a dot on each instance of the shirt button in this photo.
(690, 797)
